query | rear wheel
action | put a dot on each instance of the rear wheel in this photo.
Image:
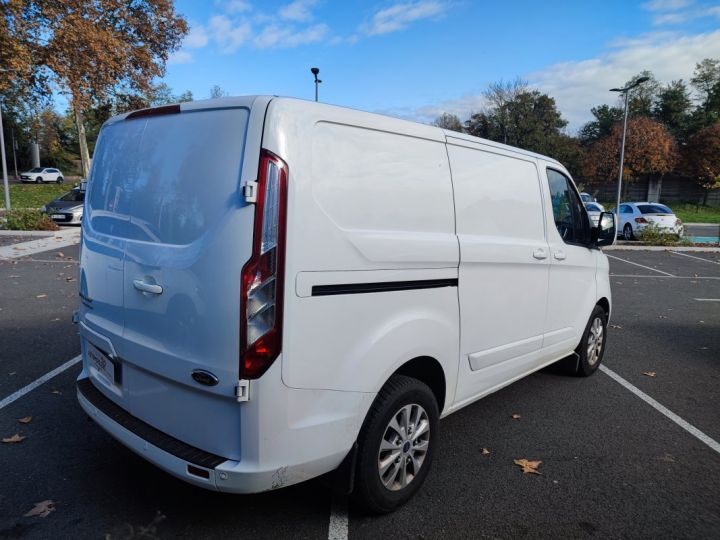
(396, 444)
(60, 180)
(592, 346)
(628, 232)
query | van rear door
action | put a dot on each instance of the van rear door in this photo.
(167, 185)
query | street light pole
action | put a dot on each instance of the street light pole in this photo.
(626, 92)
(4, 165)
(315, 72)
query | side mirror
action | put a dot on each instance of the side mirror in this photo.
(604, 233)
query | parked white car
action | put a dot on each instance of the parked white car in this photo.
(587, 198)
(41, 175)
(594, 210)
(349, 279)
(635, 216)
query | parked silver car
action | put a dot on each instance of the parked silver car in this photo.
(594, 210)
(68, 208)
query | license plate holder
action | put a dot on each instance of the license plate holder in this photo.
(103, 366)
(57, 216)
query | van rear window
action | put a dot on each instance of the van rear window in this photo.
(169, 178)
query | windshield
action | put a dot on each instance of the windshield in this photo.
(37, 169)
(168, 178)
(74, 195)
(653, 209)
(585, 197)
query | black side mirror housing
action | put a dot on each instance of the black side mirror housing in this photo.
(605, 232)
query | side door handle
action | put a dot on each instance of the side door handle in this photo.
(540, 253)
(151, 288)
(559, 255)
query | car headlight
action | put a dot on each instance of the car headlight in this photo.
(43, 209)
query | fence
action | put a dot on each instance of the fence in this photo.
(672, 189)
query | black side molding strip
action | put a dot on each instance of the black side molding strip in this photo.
(385, 286)
(165, 442)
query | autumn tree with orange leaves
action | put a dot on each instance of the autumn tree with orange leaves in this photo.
(701, 157)
(89, 48)
(650, 150)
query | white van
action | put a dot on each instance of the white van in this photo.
(272, 289)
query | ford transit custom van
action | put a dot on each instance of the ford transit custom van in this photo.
(272, 289)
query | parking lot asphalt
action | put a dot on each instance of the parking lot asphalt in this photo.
(613, 466)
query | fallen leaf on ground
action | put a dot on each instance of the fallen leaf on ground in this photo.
(69, 279)
(528, 467)
(60, 255)
(14, 439)
(58, 392)
(649, 373)
(11, 277)
(616, 326)
(516, 416)
(485, 451)
(41, 509)
(25, 419)
(662, 317)
(41, 296)
(12, 373)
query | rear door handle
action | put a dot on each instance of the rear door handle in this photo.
(151, 288)
(559, 255)
(540, 253)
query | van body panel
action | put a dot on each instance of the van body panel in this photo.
(365, 213)
(503, 283)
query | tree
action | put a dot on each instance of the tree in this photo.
(448, 121)
(217, 92)
(643, 98)
(92, 47)
(705, 77)
(673, 108)
(701, 157)
(650, 150)
(605, 119)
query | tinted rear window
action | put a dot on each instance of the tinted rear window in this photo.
(168, 178)
(653, 209)
(74, 195)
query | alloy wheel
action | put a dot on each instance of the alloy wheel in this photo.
(403, 447)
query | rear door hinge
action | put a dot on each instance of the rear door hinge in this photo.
(242, 390)
(250, 191)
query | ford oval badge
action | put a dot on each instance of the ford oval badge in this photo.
(204, 377)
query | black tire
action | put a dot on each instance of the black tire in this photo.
(589, 363)
(370, 491)
(60, 180)
(628, 232)
(38, 180)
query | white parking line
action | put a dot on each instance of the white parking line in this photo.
(640, 265)
(693, 257)
(707, 299)
(338, 528)
(712, 443)
(33, 385)
(663, 277)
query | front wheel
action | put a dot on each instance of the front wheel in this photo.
(628, 232)
(592, 345)
(38, 180)
(396, 444)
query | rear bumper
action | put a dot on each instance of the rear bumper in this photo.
(188, 463)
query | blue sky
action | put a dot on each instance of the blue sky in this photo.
(418, 58)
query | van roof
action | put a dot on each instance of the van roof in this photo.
(248, 101)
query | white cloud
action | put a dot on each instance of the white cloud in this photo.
(180, 57)
(577, 86)
(237, 6)
(666, 5)
(400, 16)
(275, 36)
(229, 36)
(299, 10)
(196, 38)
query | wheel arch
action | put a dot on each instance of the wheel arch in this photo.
(429, 371)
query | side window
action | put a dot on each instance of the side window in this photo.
(568, 213)
(625, 209)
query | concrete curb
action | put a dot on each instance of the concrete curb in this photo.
(710, 249)
(3, 232)
(60, 239)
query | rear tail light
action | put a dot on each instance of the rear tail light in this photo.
(640, 220)
(261, 295)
